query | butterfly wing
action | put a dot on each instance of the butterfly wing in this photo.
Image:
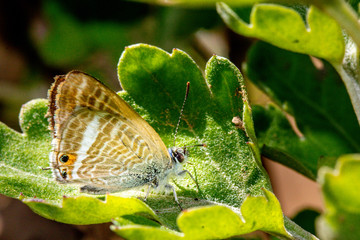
(98, 138)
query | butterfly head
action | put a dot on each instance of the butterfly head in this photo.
(179, 155)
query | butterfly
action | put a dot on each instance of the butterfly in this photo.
(101, 143)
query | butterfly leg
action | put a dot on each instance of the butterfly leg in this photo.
(175, 195)
(186, 171)
(147, 193)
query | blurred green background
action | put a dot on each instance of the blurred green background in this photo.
(41, 39)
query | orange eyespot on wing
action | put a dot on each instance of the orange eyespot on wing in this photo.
(67, 159)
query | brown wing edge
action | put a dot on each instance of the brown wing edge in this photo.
(52, 102)
(52, 97)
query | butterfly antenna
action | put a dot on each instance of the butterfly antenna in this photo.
(196, 145)
(182, 109)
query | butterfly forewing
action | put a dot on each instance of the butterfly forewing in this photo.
(98, 138)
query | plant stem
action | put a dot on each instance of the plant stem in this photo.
(353, 88)
(348, 19)
(296, 231)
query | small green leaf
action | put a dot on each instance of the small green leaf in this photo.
(89, 210)
(32, 120)
(220, 222)
(315, 97)
(284, 27)
(340, 187)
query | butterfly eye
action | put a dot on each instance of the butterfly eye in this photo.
(179, 155)
(64, 158)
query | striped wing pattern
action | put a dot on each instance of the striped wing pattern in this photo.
(98, 139)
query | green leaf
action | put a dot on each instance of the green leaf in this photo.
(281, 144)
(340, 187)
(284, 27)
(23, 155)
(215, 222)
(89, 210)
(315, 97)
